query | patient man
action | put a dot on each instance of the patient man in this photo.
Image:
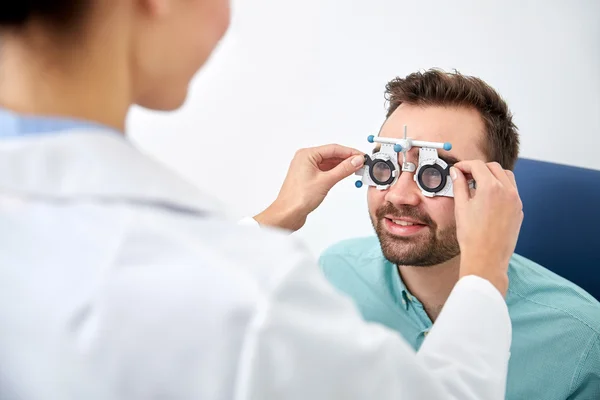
(402, 277)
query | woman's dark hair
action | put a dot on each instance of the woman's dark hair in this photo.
(60, 13)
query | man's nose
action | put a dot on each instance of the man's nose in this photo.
(404, 192)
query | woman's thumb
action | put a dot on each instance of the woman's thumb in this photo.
(344, 169)
(460, 186)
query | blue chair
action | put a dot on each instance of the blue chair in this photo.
(561, 229)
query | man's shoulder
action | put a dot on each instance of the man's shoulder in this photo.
(354, 264)
(534, 287)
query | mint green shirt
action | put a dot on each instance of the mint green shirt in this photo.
(555, 353)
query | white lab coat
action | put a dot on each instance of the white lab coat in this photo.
(118, 281)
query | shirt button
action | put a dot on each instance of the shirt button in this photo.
(426, 333)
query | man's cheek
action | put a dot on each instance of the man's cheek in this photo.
(443, 215)
(372, 201)
(376, 195)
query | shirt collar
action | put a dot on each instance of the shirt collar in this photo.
(13, 124)
(399, 288)
(68, 160)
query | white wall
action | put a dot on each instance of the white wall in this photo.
(291, 74)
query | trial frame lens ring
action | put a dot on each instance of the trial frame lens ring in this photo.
(382, 165)
(437, 170)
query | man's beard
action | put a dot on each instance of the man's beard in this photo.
(429, 247)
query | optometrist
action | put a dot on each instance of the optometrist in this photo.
(122, 281)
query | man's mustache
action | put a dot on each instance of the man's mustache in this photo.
(388, 209)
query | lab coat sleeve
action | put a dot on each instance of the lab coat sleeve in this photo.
(248, 221)
(307, 341)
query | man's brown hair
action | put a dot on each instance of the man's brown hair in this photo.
(435, 87)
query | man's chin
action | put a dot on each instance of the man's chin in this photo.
(422, 248)
(419, 251)
(401, 251)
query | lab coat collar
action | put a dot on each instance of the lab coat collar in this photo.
(84, 164)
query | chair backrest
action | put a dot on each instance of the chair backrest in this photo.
(561, 229)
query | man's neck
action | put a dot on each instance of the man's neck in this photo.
(431, 285)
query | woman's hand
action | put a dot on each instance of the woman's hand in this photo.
(488, 220)
(311, 175)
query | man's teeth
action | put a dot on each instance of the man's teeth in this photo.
(403, 223)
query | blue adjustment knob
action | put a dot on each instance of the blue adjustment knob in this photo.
(371, 138)
(358, 184)
(397, 148)
(447, 146)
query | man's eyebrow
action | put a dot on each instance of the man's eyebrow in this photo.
(450, 160)
(376, 149)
